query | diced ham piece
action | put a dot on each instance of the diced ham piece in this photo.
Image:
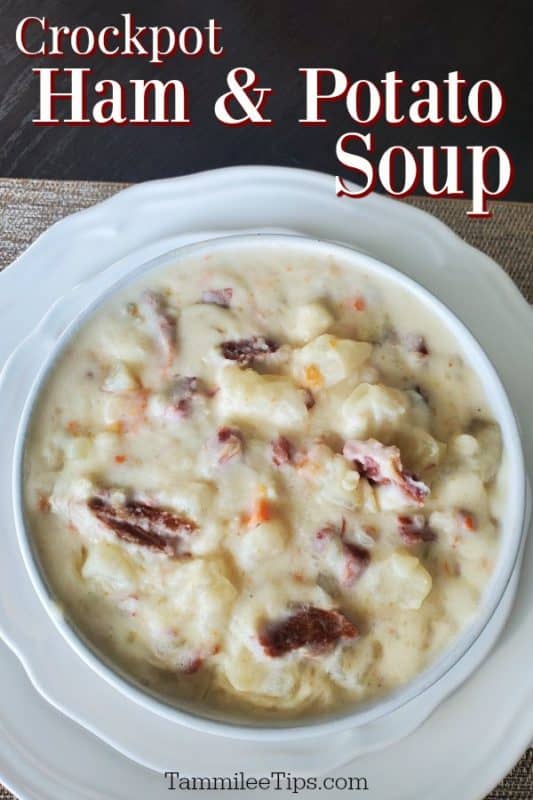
(191, 667)
(382, 465)
(310, 401)
(245, 351)
(357, 560)
(43, 503)
(155, 311)
(177, 402)
(328, 533)
(143, 524)
(468, 520)
(415, 529)
(218, 297)
(417, 344)
(281, 451)
(228, 444)
(193, 663)
(182, 392)
(325, 535)
(354, 559)
(316, 629)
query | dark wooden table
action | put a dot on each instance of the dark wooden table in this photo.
(489, 39)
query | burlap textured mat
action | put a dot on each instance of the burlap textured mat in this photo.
(28, 207)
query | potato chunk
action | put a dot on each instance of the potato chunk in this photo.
(108, 564)
(480, 451)
(308, 321)
(246, 673)
(326, 360)
(400, 580)
(262, 543)
(462, 489)
(200, 598)
(419, 449)
(245, 394)
(120, 379)
(373, 411)
(123, 342)
(77, 448)
(336, 480)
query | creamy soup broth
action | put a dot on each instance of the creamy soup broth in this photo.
(266, 482)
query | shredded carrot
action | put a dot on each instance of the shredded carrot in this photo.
(359, 303)
(120, 459)
(468, 520)
(73, 427)
(115, 427)
(260, 512)
(136, 417)
(314, 377)
(44, 503)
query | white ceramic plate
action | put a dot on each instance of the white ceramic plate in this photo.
(143, 222)
(19, 382)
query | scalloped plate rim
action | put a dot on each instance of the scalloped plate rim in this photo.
(62, 226)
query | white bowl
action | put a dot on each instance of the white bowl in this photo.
(69, 314)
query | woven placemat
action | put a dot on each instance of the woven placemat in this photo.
(28, 207)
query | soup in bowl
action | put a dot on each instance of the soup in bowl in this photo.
(271, 483)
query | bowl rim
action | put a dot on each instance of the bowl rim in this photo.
(359, 714)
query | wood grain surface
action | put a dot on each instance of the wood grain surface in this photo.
(481, 38)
